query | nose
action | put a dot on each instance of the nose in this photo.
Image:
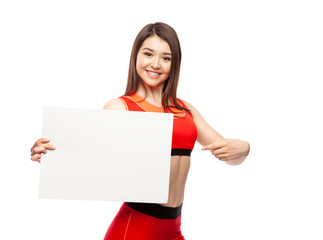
(155, 63)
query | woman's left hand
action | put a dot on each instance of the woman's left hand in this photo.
(233, 151)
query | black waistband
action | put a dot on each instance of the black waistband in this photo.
(181, 151)
(156, 210)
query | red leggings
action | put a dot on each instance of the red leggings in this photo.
(130, 224)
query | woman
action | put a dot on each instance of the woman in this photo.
(152, 84)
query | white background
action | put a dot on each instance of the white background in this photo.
(252, 68)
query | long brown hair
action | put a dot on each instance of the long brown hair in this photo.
(168, 34)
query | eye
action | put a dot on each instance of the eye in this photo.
(167, 59)
(148, 54)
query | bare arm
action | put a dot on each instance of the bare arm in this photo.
(115, 104)
(232, 151)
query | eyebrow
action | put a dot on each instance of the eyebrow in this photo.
(165, 53)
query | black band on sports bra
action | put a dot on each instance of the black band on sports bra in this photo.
(156, 210)
(181, 151)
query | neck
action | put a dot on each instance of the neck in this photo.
(153, 94)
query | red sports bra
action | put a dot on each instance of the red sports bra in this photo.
(184, 129)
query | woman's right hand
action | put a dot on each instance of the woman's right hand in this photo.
(40, 146)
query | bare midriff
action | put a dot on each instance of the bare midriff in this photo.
(180, 166)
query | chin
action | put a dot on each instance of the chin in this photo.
(153, 83)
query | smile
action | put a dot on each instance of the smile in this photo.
(153, 73)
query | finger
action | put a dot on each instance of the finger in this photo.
(42, 148)
(223, 157)
(214, 145)
(220, 151)
(40, 141)
(43, 140)
(36, 157)
(38, 150)
(209, 147)
(49, 146)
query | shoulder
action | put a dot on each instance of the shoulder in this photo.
(205, 133)
(195, 113)
(188, 105)
(185, 102)
(115, 104)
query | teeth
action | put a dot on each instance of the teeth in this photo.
(152, 73)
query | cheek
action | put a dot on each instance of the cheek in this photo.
(167, 69)
(141, 63)
(137, 63)
(139, 67)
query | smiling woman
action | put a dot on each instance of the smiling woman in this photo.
(152, 86)
(153, 62)
(158, 43)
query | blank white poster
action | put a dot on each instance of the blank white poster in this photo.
(106, 155)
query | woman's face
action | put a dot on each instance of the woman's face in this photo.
(154, 61)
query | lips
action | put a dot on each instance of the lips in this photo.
(153, 74)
